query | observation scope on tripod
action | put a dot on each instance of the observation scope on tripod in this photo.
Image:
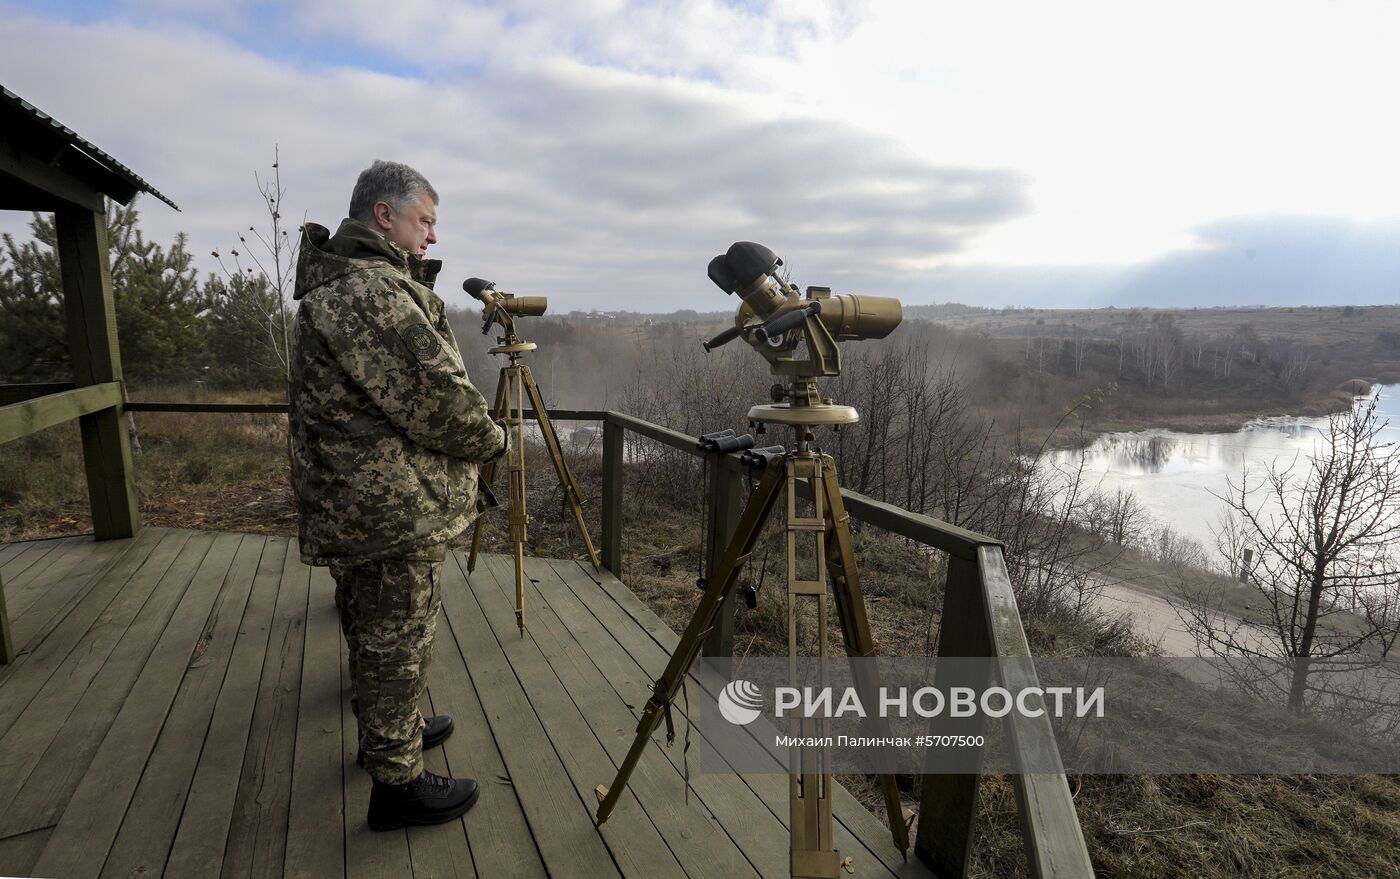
(514, 389)
(798, 337)
(775, 319)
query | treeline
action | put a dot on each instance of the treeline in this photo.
(1190, 368)
(1155, 352)
(172, 327)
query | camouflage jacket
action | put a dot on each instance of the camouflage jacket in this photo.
(387, 432)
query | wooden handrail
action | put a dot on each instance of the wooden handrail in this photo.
(40, 413)
(1053, 839)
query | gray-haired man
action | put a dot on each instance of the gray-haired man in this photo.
(387, 437)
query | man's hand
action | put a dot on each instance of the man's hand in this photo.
(505, 440)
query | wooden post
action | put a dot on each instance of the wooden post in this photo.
(726, 503)
(1050, 828)
(92, 344)
(613, 434)
(948, 802)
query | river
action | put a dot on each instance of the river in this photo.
(1177, 475)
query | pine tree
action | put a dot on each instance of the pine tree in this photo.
(33, 341)
(245, 334)
(159, 304)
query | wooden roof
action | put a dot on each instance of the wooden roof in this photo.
(56, 145)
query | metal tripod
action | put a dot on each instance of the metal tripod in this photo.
(813, 851)
(515, 385)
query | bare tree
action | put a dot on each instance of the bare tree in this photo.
(1080, 348)
(1326, 565)
(258, 290)
(1119, 517)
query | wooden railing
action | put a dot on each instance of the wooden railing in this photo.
(29, 408)
(980, 619)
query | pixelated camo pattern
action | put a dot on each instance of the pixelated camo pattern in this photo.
(387, 430)
(388, 612)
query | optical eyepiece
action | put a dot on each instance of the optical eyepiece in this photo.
(475, 287)
(723, 441)
(743, 265)
(707, 440)
(760, 459)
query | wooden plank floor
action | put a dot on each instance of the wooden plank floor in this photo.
(180, 707)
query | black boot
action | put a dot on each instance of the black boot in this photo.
(436, 730)
(427, 799)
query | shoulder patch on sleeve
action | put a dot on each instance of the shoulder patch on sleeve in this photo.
(422, 342)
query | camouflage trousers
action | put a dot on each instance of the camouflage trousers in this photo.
(388, 613)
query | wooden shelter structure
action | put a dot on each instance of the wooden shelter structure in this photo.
(46, 166)
(173, 702)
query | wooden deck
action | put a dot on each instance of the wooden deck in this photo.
(179, 707)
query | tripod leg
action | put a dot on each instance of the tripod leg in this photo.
(498, 408)
(561, 467)
(855, 625)
(515, 467)
(726, 575)
(812, 848)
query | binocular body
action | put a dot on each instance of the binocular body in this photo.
(499, 308)
(522, 306)
(772, 308)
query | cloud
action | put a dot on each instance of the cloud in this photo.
(601, 187)
(602, 151)
(707, 39)
(1273, 260)
(1289, 260)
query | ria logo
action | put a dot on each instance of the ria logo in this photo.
(740, 702)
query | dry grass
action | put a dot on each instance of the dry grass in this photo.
(1214, 827)
(216, 471)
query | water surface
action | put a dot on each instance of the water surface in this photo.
(1174, 474)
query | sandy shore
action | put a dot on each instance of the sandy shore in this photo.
(1153, 617)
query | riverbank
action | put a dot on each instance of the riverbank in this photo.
(1185, 416)
(1197, 417)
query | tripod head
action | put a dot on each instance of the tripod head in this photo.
(501, 309)
(797, 336)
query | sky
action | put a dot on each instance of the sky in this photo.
(1060, 154)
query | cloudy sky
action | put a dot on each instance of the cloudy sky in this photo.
(1045, 153)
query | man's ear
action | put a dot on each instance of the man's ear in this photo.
(383, 216)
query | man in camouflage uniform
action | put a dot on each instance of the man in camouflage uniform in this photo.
(387, 438)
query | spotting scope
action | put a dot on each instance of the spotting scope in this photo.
(774, 317)
(497, 306)
(773, 307)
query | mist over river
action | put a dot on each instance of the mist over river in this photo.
(1173, 474)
